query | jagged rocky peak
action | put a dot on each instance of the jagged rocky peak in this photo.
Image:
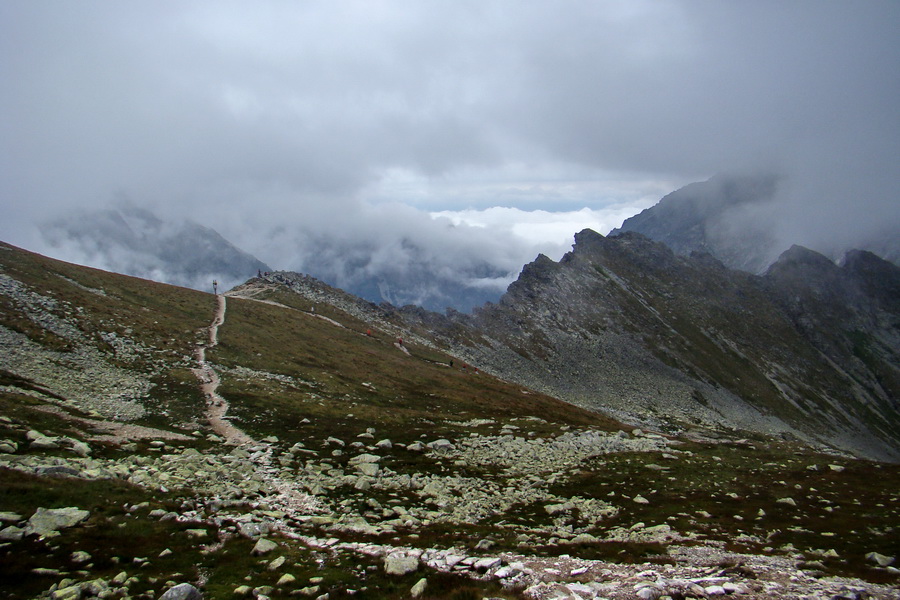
(534, 277)
(800, 257)
(587, 239)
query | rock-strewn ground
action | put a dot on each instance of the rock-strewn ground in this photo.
(330, 494)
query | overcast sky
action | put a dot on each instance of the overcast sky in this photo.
(519, 122)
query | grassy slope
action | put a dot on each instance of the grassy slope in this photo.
(310, 369)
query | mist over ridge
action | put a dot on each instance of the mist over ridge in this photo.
(403, 256)
(293, 128)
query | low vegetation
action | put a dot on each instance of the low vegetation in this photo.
(368, 449)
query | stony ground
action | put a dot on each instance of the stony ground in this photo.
(102, 502)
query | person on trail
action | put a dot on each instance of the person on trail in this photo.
(215, 287)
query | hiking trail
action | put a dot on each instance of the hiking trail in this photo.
(216, 406)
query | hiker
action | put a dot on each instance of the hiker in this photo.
(215, 287)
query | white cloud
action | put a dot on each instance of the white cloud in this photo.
(251, 117)
(550, 233)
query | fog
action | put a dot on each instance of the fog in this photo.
(345, 136)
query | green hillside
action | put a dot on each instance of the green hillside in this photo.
(377, 468)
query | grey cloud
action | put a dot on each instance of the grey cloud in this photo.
(250, 117)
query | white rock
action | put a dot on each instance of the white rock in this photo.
(880, 559)
(649, 593)
(263, 546)
(487, 564)
(398, 563)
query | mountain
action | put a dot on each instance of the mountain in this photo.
(402, 272)
(733, 219)
(136, 242)
(290, 439)
(624, 325)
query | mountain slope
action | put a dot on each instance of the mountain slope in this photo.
(623, 324)
(377, 466)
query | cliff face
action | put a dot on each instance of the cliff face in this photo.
(626, 325)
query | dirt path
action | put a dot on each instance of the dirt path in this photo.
(216, 406)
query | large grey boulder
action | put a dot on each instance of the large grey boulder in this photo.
(46, 522)
(263, 546)
(182, 591)
(398, 563)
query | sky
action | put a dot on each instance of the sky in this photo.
(447, 131)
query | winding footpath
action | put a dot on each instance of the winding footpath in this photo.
(216, 406)
(282, 493)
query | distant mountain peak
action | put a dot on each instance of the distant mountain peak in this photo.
(134, 241)
(735, 218)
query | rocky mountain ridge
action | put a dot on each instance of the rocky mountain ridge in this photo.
(623, 324)
(626, 326)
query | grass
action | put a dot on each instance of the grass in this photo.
(718, 491)
(286, 372)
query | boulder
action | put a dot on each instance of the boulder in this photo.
(364, 459)
(70, 592)
(182, 591)
(10, 517)
(11, 534)
(46, 522)
(398, 563)
(253, 530)
(419, 589)
(368, 469)
(80, 448)
(42, 442)
(441, 446)
(880, 559)
(263, 546)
